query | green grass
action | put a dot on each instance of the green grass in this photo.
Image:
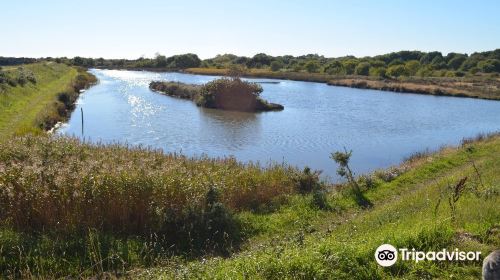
(300, 242)
(21, 106)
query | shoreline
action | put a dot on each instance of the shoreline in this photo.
(469, 87)
(83, 81)
(437, 86)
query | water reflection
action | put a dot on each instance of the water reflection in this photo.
(381, 128)
(234, 130)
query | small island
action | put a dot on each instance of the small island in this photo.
(225, 93)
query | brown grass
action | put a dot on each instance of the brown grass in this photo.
(474, 87)
(433, 86)
(61, 184)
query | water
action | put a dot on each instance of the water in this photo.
(381, 128)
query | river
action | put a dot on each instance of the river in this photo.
(382, 128)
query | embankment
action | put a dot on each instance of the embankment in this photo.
(37, 105)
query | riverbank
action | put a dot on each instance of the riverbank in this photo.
(108, 215)
(37, 106)
(302, 240)
(473, 87)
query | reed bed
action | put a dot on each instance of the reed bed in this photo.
(61, 184)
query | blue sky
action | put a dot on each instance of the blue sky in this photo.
(129, 29)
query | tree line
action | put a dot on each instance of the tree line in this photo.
(395, 64)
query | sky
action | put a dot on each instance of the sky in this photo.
(130, 29)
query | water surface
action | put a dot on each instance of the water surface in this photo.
(381, 128)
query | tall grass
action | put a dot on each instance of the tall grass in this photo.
(64, 185)
(107, 207)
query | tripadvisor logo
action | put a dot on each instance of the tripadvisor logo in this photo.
(387, 255)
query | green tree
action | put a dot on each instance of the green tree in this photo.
(412, 67)
(489, 66)
(377, 63)
(378, 72)
(312, 66)
(349, 66)
(79, 61)
(396, 71)
(362, 69)
(100, 61)
(456, 62)
(183, 61)
(438, 63)
(259, 60)
(276, 65)
(161, 60)
(334, 68)
(429, 57)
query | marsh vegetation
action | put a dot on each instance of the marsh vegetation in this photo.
(225, 93)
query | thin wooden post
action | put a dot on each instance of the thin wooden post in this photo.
(81, 110)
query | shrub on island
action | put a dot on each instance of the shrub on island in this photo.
(224, 93)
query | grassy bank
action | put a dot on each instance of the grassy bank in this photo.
(36, 106)
(474, 87)
(299, 241)
(77, 209)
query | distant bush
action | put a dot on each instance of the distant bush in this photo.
(312, 66)
(183, 61)
(489, 66)
(396, 71)
(276, 66)
(176, 89)
(214, 94)
(362, 69)
(412, 67)
(334, 68)
(378, 72)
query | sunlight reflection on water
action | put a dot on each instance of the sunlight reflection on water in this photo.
(380, 127)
